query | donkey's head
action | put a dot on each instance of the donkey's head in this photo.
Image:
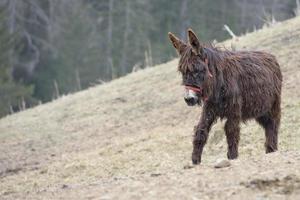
(193, 66)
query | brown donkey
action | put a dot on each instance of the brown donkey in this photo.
(235, 85)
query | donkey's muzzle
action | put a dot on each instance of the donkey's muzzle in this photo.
(191, 98)
(191, 101)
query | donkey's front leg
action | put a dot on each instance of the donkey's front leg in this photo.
(201, 134)
(232, 131)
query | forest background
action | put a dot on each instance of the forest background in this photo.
(53, 47)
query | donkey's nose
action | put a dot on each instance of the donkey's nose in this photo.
(191, 101)
(190, 97)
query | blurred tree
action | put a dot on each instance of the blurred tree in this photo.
(13, 96)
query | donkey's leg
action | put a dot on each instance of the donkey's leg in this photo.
(271, 126)
(201, 134)
(232, 131)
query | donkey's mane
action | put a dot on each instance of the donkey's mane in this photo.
(214, 55)
(184, 63)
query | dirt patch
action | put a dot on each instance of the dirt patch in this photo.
(8, 172)
(285, 185)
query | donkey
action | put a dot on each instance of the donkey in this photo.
(232, 85)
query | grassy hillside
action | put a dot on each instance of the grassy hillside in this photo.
(133, 136)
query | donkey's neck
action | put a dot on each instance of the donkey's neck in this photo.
(215, 59)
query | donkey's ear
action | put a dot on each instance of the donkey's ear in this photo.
(194, 42)
(177, 43)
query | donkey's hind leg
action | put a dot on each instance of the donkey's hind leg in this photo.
(270, 124)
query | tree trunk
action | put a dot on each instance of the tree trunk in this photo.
(124, 63)
(110, 63)
(12, 7)
(184, 23)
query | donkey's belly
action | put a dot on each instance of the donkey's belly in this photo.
(255, 104)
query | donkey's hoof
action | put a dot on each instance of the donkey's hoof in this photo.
(196, 160)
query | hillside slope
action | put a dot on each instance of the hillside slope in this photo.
(132, 138)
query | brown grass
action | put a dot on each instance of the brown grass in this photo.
(133, 136)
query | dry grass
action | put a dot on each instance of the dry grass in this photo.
(112, 138)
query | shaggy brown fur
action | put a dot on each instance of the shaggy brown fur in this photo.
(244, 85)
